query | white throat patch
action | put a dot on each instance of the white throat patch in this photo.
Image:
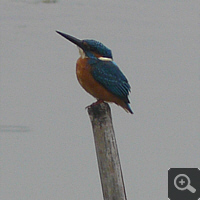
(82, 53)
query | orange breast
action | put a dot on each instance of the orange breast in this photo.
(85, 78)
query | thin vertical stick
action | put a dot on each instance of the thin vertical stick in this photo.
(107, 152)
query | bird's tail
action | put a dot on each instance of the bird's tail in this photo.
(124, 104)
(128, 108)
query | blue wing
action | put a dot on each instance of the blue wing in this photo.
(108, 74)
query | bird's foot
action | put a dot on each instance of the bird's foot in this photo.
(95, 103)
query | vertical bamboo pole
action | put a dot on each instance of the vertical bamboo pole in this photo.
(107, 152)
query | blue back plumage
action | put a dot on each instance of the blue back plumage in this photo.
(97, 47)
(108, 74)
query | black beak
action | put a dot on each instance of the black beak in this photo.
(72, 39)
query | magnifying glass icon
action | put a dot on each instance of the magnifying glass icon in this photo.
(182, 182)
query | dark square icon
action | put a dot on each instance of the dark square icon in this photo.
(184, 184)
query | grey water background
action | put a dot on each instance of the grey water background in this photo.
(46, 143)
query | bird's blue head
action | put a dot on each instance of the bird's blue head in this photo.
(96, 48)
(90, 48)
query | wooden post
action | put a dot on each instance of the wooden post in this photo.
(107, 152)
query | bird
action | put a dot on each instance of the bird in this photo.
(98, 74)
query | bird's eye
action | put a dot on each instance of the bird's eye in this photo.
(86, 45)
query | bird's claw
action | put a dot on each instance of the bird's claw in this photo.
(95, 103)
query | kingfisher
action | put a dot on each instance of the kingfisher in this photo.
(98, 74)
